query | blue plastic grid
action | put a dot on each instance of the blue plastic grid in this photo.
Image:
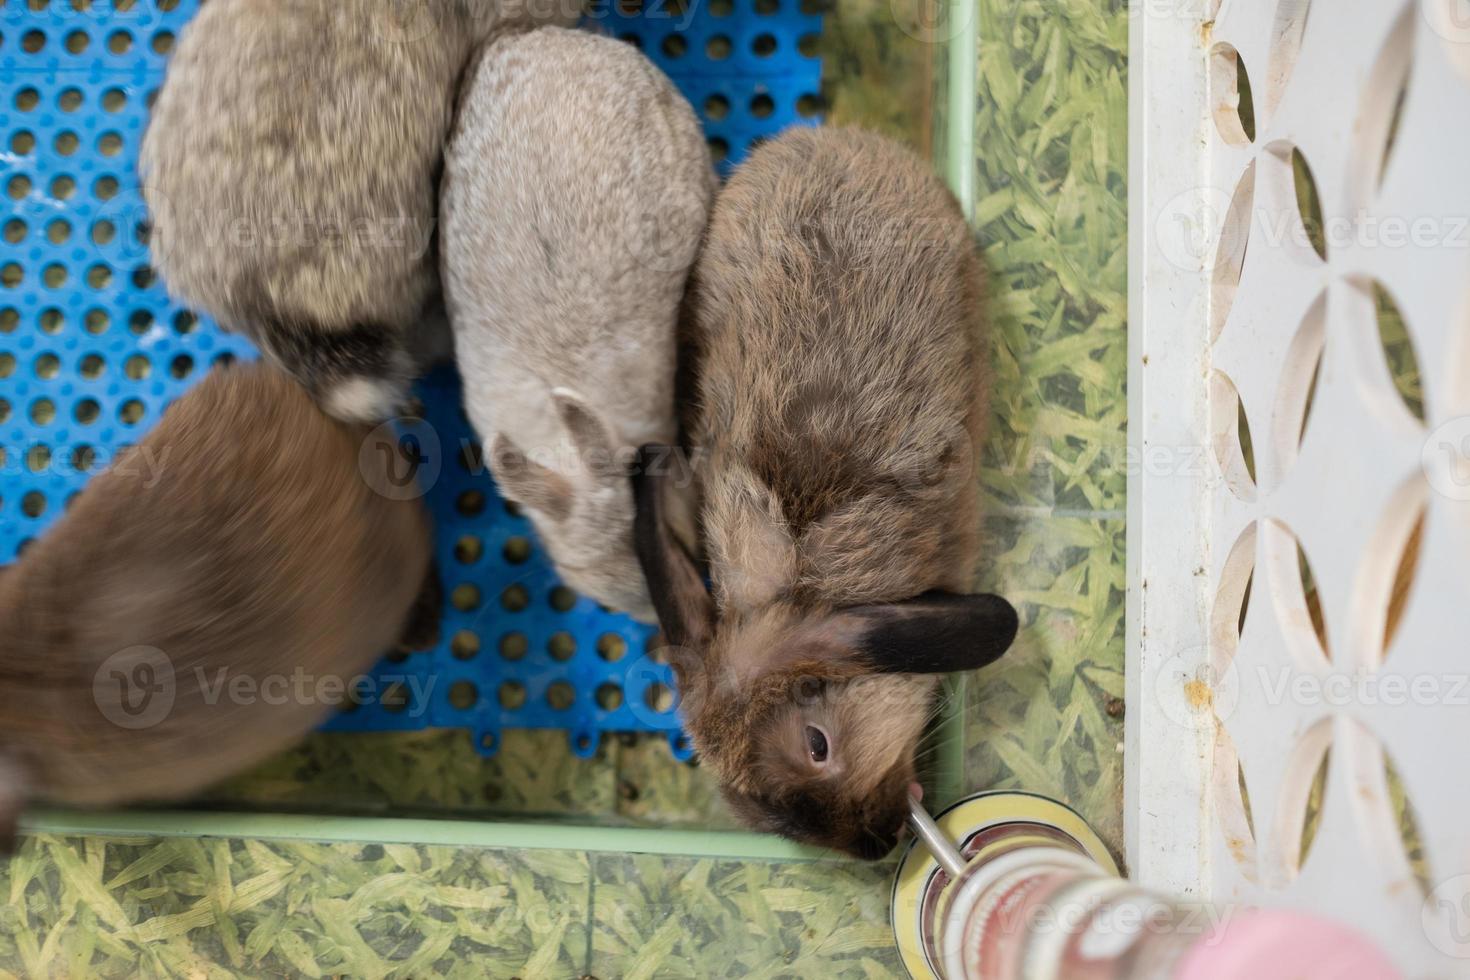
(92, 350)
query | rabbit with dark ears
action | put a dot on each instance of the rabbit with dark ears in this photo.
(836, 314)
(290, 167)
(242, 539)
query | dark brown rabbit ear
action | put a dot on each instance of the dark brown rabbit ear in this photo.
(686, 612)
(935, 633)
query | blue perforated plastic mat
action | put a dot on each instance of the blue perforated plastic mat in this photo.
(92, 350)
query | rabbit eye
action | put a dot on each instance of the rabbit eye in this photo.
(816, 744)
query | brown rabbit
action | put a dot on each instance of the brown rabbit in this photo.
(238, 539)
(836, 310)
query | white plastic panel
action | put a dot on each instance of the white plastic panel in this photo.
(1375, 96)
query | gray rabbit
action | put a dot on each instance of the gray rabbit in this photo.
(577, 185)
(242, 543)
(836, 314)
(290, 172)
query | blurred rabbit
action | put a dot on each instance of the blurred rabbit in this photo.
(239, 539)
(836, 309)
(576, 187)
(290, 171)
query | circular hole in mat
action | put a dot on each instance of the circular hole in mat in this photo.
(582, 741)
(105, 188)
(764, 45)
(58, 231)
(184, 322)
(91, 366)
(465, 597)
(718, 48)
(48, 366)
(609, 696)
(69, 100)
(51, 320)
(560, 695)
(562, 599)
(467, 549)
(7, 365)
(119, 42)
(38, 458)
(22, 142)
(762, 106)
(515, 598)
(716, 107)
(137, 367)
(659, 697)
(513, 646)
(4, 416)
(512, 695)
(103, 232)
(721, 8)
(562, 646)
(66, 143)
(10, 319)
(611, 647)
(809, 45)
(464, 644)
(130, 412)
(33, 504)
(470, 503)
(114, 99)
(632, 39)
(99, 277)
(163, 42)
(512, 508)
(181, 366)
(472, 458)
(718, 148)
(83, 457)
(109, 144)
(18, 186)
(674, 46)
(463, 695)
(63, 187)
(54, 276)
(86, 411)
(77, 41)
(27, 99)
(516, 550)
(32, 41)
(43, 411)
(11, 275)
(808, 105)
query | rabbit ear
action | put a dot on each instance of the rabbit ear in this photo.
(686, 612)
(588, 433)
(527, 482)
(935, 633)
